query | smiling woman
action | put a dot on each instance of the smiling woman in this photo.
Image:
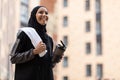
(42, 16)
(32, 52)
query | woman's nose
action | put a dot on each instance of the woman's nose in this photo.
(44, 13)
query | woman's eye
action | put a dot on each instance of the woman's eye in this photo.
(41, 12)
(46, 13)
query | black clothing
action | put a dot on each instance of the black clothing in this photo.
(29, 66)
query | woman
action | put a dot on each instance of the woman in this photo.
(28, 64)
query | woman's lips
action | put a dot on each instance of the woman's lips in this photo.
(43, 18)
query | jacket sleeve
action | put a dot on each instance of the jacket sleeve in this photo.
(18, 55)
(54, 62)
(57, 55)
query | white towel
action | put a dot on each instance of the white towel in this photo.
(34, 37)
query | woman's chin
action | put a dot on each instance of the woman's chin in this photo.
(43, 23)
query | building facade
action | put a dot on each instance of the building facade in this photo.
(13, 15)
(90, 29)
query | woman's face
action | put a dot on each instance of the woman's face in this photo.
(42, 15)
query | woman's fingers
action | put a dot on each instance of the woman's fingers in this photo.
(43, 45)
(40, 48)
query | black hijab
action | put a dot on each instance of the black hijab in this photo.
(41, 29)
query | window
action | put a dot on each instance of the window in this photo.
(88, 48)
(65, 78)
(98, 16)
(98, 27)
(65, 40)
(99, 71)
(88, 26)
(65, 3)
(65, 62)
(98, 5)
(99, 47)
(65, 21)
(24, 12)
(87, 5)
(88, 70)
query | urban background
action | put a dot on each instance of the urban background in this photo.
(89, 28)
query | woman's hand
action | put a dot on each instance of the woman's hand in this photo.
(39, 48)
